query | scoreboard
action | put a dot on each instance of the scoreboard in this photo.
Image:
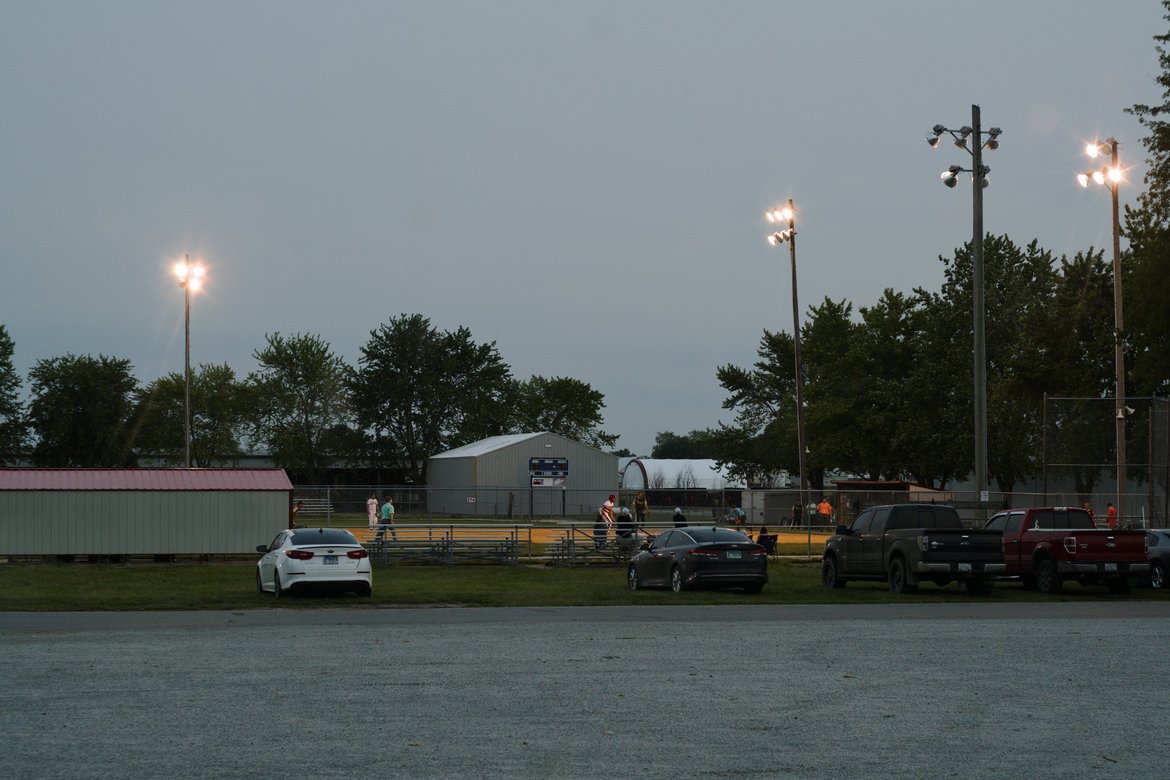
(548, 467)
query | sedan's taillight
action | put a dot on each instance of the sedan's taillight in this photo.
(703, 552)
(757, 551)
(300, 555)
(357, 555)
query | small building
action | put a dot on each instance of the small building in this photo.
(521, 475)
(853, 495)
(141, 511)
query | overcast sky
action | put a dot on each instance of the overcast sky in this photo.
(581, 183)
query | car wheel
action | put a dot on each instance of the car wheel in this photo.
(676, 580)
(830, 576)
(632, 577)
(1048, 580)
(259, 581)
(1157, 575)
(276, 589)
(899, 578)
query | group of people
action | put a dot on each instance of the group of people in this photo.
(381, 518)
(625, 523)
(1110, 513)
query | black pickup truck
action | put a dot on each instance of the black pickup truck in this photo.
(903, 544)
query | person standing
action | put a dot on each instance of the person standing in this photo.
(641, 508)
(1089, 508)
(372, 510)
(603, 522)
(388, 518)
(1111, 514)
(607, 512)
(680, 520)
(825, 511)
(301, 505)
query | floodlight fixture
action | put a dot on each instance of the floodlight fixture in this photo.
(1113, 173)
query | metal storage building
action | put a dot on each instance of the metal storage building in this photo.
(521, 475)
(141, 511)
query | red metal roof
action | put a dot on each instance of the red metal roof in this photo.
(144, 479)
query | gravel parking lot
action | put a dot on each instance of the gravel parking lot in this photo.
(1066, 690)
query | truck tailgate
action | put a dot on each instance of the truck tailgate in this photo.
(962, 544)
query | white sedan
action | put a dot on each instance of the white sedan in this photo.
(303, 557)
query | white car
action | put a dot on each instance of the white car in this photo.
(300, 558)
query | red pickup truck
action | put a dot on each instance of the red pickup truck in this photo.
(1046, 546)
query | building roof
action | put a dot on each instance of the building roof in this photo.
(494, 443)
(144, 479)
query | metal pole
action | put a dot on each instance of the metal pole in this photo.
(1044, 448)
(187, 362)
(799, 370)
(977, 303)
(1118, 344)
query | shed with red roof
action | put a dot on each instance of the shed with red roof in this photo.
(141, 511)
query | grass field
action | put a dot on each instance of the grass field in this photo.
(231, 586)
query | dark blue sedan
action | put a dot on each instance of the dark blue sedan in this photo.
(700, 556)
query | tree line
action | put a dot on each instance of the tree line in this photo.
(415, 391)
(888, 390)
(889, 393)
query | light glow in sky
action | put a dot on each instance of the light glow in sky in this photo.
(583, 184)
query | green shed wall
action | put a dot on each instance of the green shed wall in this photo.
(124, 522)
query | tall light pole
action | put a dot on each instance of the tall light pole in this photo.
(1111, 176)
(190, 278)
(781, 215)
(979, 181)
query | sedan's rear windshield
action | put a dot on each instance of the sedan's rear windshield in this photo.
(704, 535)
(323, 536)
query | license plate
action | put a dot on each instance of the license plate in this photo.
(330, 559)
(1111, 567)
(964, 567)
(734, 554)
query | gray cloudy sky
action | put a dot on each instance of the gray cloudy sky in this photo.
(583, 184)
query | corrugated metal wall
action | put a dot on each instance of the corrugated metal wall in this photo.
(121, 522)
(593, 475)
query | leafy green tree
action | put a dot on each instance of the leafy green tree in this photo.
(834, 394)
(761, 441)
(12, 421)
(896, 404)
(936, 437)
(1147, 278)
(690, 446)
(419, 391)
(1019, 325)
(221, 408)
(1080, 429)
(561, 405)
(302, 404)
(81, 411)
